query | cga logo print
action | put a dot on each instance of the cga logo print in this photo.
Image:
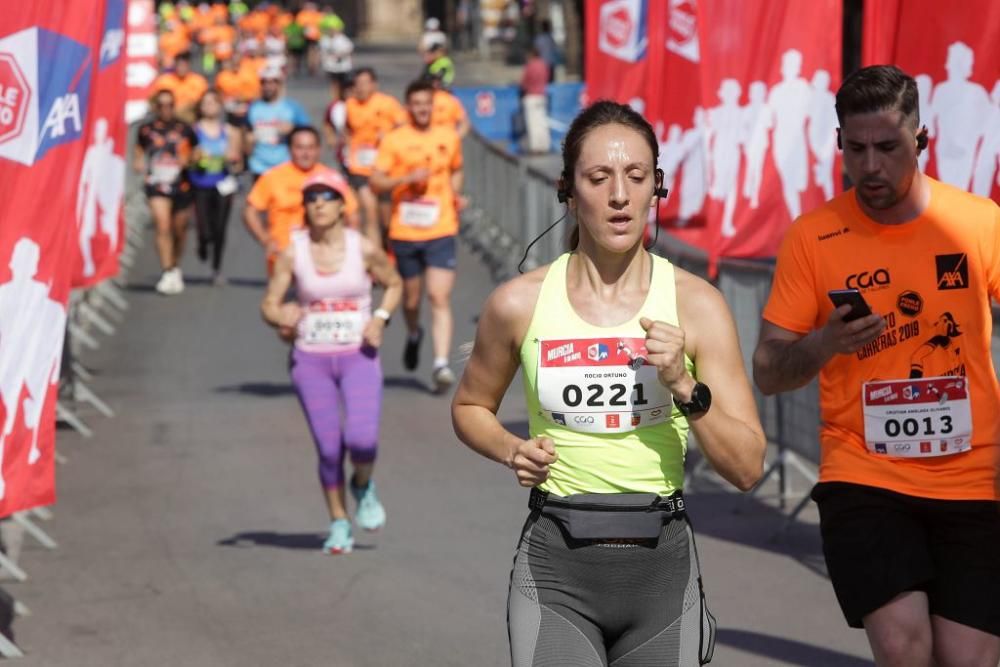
(44, 90)
(623, 29)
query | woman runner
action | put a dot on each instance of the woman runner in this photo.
(334, 360)
(618, 349)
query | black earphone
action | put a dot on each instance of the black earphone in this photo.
(563, 193)
(922, 140)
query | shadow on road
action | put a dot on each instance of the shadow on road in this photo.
(787, 650)
(261, 389)
(256, 283)
(267, 538)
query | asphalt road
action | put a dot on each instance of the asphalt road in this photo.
(190, 526)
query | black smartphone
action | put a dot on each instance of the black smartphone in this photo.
(859, 307)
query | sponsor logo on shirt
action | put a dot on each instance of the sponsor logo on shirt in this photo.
(834, 234)
(869, 280)
(952, 271)
(910, 303)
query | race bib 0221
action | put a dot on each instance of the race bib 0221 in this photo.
(600, 385)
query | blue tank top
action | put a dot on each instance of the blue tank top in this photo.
(211, 168)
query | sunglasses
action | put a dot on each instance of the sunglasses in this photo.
(312, 196)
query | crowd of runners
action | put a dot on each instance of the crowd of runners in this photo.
(623, 355)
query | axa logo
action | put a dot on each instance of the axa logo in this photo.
(952, 271)
(866, 280)
(44, 92)
(622, 31)
(113, 40)
(597, 352)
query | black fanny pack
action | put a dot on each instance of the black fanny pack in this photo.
(603, 516)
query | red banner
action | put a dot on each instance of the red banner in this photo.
(49, 55)
(956, 63)
(617, 50)
(100, 194)
(141, 49)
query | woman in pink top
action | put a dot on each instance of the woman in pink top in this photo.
(336, 336)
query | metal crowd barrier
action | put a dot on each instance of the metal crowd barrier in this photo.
(511, 203)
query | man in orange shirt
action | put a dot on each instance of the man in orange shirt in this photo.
(238, 88)
(421, 165)
(309, 18)
(370, 115)
(174, 40)
(186, 86)
(910, 435)
(278, 194)
(448, 111)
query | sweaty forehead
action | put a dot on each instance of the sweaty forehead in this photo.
(614, 145)
(874, 125)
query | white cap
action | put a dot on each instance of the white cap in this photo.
(432, 24)
(271, 72)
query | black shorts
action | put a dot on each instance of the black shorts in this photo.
(357, 181)
(879, 544)
(413, 257)
(180, 196)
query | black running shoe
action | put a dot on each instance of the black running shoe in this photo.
(411, 355)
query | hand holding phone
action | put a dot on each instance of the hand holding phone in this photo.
(852, 297)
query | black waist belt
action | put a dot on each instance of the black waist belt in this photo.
(609, 502)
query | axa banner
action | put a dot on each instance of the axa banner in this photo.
(768, 72)
(957, 68)
(100, 191)
(617, 50)
(49, 56)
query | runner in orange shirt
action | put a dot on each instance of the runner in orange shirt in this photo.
(370, 115)
(909, 397)
(186, 86)
(237, 90)
(174, 40)
(448, 111)
(421, 166)
(309, 17)
(278, 193)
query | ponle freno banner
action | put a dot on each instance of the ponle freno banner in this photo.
(741, 95)
(101, 188)
(956, 63)
(49, 57)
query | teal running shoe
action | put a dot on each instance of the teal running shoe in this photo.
(340, 540)
(370, 515)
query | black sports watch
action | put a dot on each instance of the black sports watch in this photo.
(701, 401)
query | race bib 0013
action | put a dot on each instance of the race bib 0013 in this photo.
(917, 418)
(332, 322)
(419, 213)
(600, 385)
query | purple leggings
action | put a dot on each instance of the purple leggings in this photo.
(324, 384)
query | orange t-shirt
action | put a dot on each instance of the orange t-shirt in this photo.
(223, 40)
(278, 192)
(447, 111)
(173, 42)
(367, 123)
(421, 212)
(309, 19)
(187, 91)
(237, 85)
(932, 279)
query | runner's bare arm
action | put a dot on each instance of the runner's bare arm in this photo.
(457, 183)
(234, 149)
(251, 218)
(382, 182)
(139, 159)
(463, 126)
(272, 309)
(378, 264)
(785, 360)
(730, 434)
(491, 367)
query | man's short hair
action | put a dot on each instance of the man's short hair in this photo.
(419, 86)
(878, 88)
(183, 55)
(299, 129)
(370, 71)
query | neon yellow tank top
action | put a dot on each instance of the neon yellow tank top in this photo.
(614, 425)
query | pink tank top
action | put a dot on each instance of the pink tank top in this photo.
(337, 305)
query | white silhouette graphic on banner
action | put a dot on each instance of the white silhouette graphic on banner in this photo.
(788, 103)
(823, 131)
(694, 174)
(988, 161)
(925, 85)
(671, 153)
(958, 107)
(756, 125)
(724, 138)
(99, 194)
(31, 333)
